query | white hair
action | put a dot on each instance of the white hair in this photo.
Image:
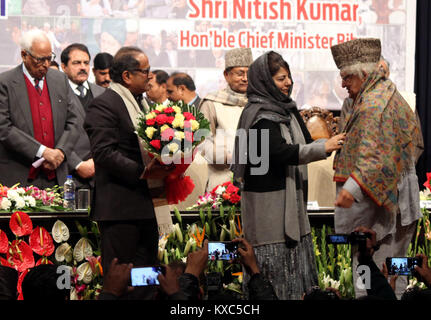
(359, 69)
(29, 37)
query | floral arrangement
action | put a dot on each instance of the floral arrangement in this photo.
(171, 134)
(226, 195)
(84, 262)
(30, 199)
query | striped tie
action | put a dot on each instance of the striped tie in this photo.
(36, 86)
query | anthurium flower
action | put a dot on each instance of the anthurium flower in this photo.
(85, 274)
(41, 242)
(82, 250)
(5, 263)
(43, 260)
(20, 255)
(4, 242)
(95, 264)
(20, 224)
(19, 284)
(60, 232)
(64, 252)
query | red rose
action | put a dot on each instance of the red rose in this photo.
(232, 189)
(156, 144)
(151, 122)
(168, 134)
(156, 111)
(235, 198)
(161, 119)
(169, 110)
(427, 183)
(226, 196)
(189, 116)
(170, 120)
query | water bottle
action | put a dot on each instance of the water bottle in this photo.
(69, 193)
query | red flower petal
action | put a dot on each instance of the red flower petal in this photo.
(19, 285)
(43, 260)
(4, 242)
(189, 116)
(20, 224)
(5, 263)
(169, 110)
(21, 255)
(41, 242)
(156, 144)
(151, 122)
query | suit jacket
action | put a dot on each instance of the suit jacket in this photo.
(18, 147)
(197, 102)
(81, 150)
(119, 193)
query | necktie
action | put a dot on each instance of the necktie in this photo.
(36, 86)
(81, 89)
(138, 99)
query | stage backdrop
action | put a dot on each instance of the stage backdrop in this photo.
(193, 35)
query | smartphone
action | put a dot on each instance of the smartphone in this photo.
(222, 250)
(403, 266)
(146, 276)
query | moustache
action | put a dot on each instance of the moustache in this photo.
(106, 82)
(82, 72)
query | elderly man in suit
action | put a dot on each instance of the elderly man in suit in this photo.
(75, 62)
(122, 203)
(37, 117)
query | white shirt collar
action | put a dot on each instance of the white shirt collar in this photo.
(74, 86)
(29, 77)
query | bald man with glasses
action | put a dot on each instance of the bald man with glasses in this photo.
(38, 120)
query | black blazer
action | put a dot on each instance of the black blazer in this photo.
(119, 193)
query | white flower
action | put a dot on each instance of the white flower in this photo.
(30, 201)
(173, 147)
(64, 252)
(12, 195)
(85, 274)
(82, 250)
(19, 203)
(20, 191)
(73, 294)
(5, 204)
(60, 232)
(220, 190)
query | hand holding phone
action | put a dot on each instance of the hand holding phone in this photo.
(220, 250)
(146, 276)
(403, 266)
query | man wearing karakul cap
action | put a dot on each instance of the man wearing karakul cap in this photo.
(223, 110)
(375, 169)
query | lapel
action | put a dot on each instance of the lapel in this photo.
(56, 101)
(21, 95)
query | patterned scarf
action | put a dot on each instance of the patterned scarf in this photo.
(228, 97)
(381, 133)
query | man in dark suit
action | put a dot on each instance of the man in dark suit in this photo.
(122, 204)
(75, 62)
(180, 86)
(37, 117)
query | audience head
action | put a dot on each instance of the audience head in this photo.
(384, 66)
(75, 62)
(101, 64)
(237, 62)
(131, 69)
(54, 65)
(157, 90)
(180, 86)
(40, 283)
(36, 53)
(8, 283)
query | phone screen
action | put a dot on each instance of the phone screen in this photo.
(145, 276)
(337, 238)
(222, 250)
(402, 266)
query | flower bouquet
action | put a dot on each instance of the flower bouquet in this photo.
(171, 134)
(226, 195)
(30, 199)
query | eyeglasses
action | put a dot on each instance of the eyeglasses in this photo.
(143, 71)
(41, 60)
(239, 74)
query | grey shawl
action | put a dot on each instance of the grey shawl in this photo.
(272, 217)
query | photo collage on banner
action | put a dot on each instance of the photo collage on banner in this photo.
(193, 35)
